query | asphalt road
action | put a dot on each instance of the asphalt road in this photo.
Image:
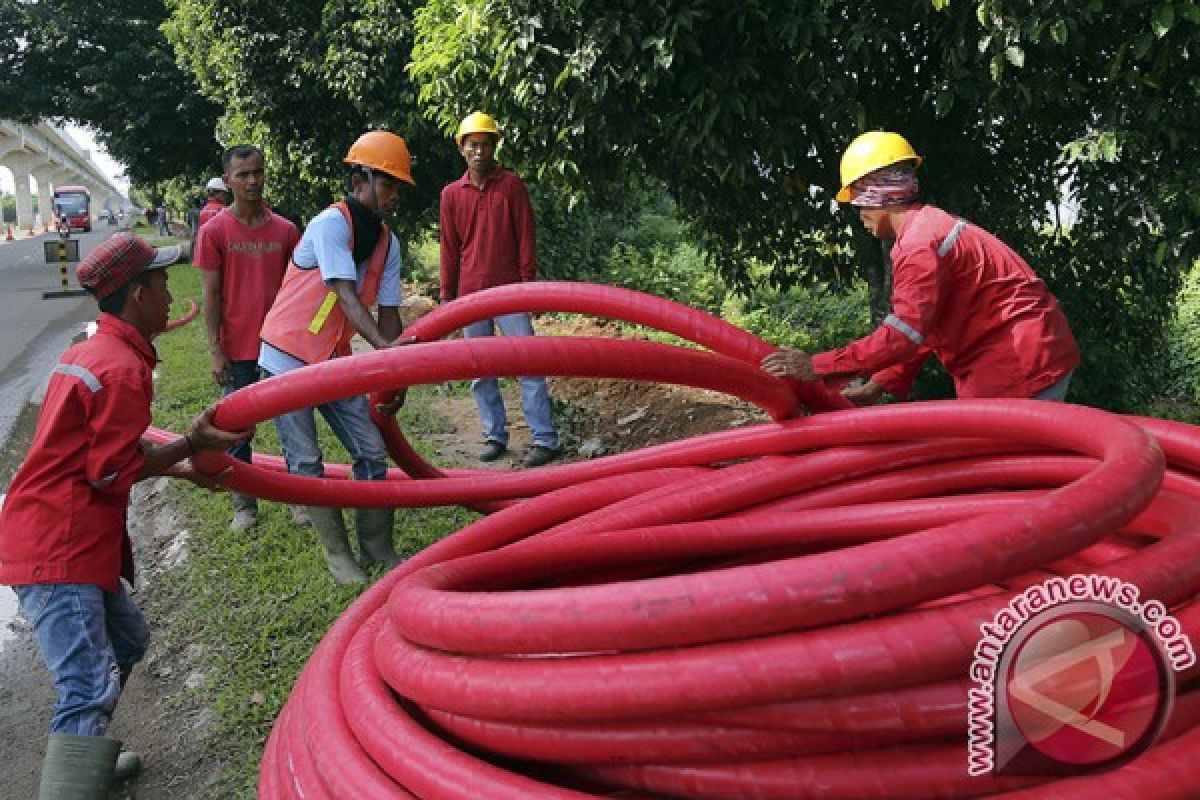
(34, 331)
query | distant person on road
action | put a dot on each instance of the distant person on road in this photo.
(488, 239)
(958, 292)
(161, 216)
(217, 193)
(64, 546)
(242, 253)
(346, 262)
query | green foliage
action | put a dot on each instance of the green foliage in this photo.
(811, 318)
(107, 65)
(1183, 353)
(1017, 108)
(304, 85)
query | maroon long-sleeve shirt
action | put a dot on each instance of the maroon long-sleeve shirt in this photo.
(487, 234)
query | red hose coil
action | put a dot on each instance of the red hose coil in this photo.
(787, 610)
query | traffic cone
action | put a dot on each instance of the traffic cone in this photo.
(8, 237)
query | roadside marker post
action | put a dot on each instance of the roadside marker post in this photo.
(62, 251)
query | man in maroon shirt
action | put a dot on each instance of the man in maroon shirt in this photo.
(242, 255)
(957, 292)
(64, 547)
(487, 239)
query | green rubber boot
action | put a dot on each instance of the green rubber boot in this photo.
(375, 527)
(331, 533)
(78, 767)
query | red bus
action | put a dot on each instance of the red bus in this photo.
(73, 205)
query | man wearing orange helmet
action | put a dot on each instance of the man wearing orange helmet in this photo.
(487, 239)
(957, 292)
(346, 261)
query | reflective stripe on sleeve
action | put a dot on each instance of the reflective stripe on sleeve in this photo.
(83, 373)
(908, 330)
(951, 238)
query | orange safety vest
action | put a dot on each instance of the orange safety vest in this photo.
(306, 320)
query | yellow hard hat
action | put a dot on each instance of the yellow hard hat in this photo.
(477, 122)
(871, 151)
(383, 151)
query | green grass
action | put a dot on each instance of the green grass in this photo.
(258, 602)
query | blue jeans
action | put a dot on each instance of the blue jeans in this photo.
(89, 639)
(351, 422)
(241, 374)
(535, 397)
(1056, 392)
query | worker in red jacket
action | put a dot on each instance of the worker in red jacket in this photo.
(63, 543)
(957, 292)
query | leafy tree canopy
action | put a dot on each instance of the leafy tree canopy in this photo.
(743, 110)
(306, 83)
(107, 65)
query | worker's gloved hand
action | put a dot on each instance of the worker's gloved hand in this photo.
(866, 394)
(789, 363)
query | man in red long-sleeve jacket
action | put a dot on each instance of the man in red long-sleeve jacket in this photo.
(487, 239)
(63, 544)
(957, 292)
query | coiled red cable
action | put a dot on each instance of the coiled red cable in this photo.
(783, 611)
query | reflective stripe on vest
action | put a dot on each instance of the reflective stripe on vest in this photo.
(318, 320)
(306, 320)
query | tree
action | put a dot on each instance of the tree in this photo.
(107, 65)
(743, 109)
(306, 84)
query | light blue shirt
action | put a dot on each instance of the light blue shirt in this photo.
(326, 244)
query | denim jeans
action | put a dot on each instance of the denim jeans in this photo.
(535, 397)
(241, 374)
(89, 640)
(351, 422)
(1056, 392)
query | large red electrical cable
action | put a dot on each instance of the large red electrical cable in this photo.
(787, 610)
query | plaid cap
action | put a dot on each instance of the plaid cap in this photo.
(121, 259)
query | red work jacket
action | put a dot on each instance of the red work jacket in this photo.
(964, 295)
(64, 518)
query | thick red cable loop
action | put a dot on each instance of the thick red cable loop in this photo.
(186, 317)
(767, 612)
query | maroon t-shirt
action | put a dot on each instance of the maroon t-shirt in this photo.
(251, 262)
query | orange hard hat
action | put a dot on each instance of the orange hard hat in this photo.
(383, 151)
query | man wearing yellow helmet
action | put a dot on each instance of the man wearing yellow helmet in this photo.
(487, 239)
(957, 292)
(346, 261)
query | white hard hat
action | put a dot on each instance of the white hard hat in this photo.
(216, 184)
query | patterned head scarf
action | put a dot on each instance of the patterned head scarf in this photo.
(890, 186)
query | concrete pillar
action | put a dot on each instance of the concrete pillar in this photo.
(24, 199)
(45, 180)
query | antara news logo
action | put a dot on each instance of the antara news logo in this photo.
(1074, 675)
